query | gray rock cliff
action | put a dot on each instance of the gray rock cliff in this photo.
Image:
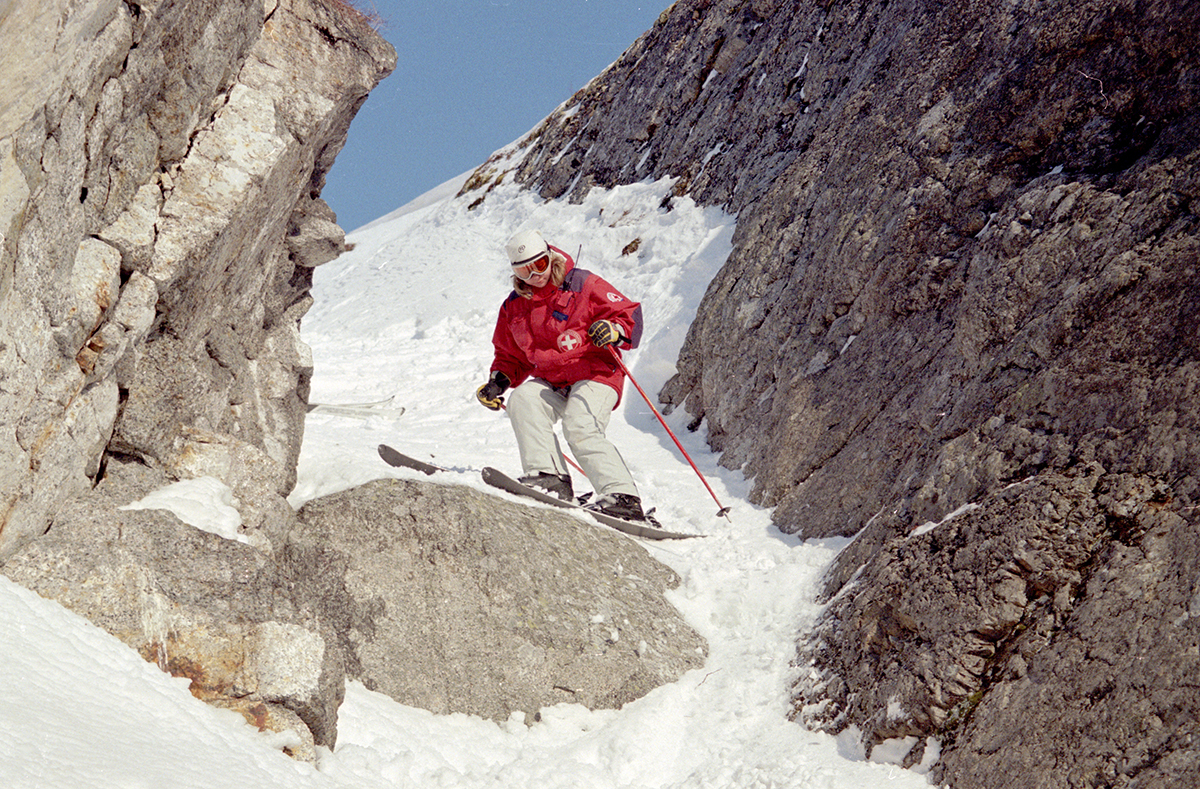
(160, 171)
(161, 165)
(964, 274)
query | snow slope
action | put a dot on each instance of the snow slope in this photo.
(409, 312)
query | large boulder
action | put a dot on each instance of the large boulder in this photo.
(160, 171)
(452, 600)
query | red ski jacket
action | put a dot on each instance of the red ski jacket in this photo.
(546, 336)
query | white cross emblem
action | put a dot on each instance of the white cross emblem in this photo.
(569, 340)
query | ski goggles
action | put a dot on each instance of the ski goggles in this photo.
(531, 268)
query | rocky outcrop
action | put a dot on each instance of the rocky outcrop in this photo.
(456, 601)
(964, 274)
(160, 170)
(439, 596)
(200, 606)
(1049, 630)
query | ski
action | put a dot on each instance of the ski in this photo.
(381, 408)
(394, 458)
(499, 479)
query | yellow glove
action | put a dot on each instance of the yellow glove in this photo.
(603, 333)
(489, 393)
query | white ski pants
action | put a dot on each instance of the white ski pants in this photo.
(534, 407)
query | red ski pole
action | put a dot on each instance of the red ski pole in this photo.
(724, 511)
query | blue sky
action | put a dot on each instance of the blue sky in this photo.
(471, 77)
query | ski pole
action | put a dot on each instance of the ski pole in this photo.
(574, 465)
(724, 511)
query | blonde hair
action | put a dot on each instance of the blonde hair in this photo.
(558, 272)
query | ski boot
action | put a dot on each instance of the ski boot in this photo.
(619, 505)
(554, 484)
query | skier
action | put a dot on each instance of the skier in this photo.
(554, 341)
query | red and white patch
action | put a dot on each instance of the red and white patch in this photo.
(569, 340)
(615, 297)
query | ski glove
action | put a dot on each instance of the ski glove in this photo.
(489, 393)
(604, 333)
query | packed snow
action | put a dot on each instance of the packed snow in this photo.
(205, 502)
(409, 313)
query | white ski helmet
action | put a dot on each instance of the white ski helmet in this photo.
(526, 246)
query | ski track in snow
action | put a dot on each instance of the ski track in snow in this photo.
(409, 312)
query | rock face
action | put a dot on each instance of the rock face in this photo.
(457, 601)
(1050, 630)
(964, 273)
(160, 166)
